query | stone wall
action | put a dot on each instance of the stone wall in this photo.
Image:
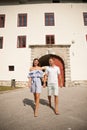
(63, 51)
(5, 83)
(17, 83)
(79, 83)
(76, 83)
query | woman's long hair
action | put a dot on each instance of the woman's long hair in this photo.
(34, 61)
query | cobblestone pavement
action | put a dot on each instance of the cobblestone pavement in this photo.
(17, 110)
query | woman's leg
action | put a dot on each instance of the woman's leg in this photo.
(34, 97)
(37, 97)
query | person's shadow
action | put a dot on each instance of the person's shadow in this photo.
(45, 102)
(30, 102)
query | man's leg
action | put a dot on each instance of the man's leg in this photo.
(49, 94)
(49, 99)
(56, 104)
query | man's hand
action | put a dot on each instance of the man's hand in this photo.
(61, 82)
(61, 85)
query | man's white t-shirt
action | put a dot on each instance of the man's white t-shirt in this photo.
(52, 73)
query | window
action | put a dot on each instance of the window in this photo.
(49, 19)
(11, 68)
(56, 1)
(50, 39)
(84, 1)
(22, 20)
(86, 38)
(1, 42)
(85, 18)
(21, 41)
(2, 21)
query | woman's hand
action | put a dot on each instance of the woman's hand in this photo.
(44, 85)
(29, 84)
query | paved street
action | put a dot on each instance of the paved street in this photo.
(16, 110)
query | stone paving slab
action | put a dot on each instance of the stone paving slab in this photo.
(16, 110)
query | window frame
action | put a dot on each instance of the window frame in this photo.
(19, 44)
(51, 14)
(86, 37)
(2, 15)
(84, 18)
(50, 39)
(11, 68)
(22, 15)
(2, 42)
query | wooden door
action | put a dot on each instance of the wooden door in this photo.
(44, 61)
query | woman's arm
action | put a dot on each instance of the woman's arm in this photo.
(43, 68)
(31, 69)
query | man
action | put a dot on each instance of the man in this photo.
(53, 72)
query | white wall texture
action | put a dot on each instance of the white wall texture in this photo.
(69, 26)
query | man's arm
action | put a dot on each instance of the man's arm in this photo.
(61, 82)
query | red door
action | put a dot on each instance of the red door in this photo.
(59, 63)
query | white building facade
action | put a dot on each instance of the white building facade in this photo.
(42, 30)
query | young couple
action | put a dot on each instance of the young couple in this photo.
(52, 72)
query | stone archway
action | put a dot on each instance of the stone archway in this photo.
(44, 61)
(62, 51)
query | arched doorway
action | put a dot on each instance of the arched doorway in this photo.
(44, 61)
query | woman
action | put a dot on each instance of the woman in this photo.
(35, 76)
